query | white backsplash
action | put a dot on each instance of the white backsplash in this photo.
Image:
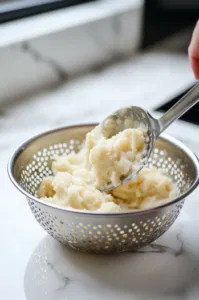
(31, 63)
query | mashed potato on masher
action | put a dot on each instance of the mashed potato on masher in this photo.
(77, 177)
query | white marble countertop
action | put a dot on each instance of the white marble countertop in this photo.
(33, 265)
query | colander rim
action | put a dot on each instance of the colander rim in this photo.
(163, 136)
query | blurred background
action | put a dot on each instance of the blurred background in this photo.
(69, 61)
(16, 9)
(161, 17)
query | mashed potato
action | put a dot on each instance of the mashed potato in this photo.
(77, 177)
(112, 159)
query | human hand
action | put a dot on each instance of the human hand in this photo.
(193, 51)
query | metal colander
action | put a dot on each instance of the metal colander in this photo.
(94, 231)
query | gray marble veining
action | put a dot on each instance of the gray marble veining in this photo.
(158, 271)
(50, 59)
(56, 68)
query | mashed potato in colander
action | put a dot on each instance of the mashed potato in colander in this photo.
(77, 176)
(111, 159)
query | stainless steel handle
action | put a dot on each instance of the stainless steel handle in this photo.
(177, 110)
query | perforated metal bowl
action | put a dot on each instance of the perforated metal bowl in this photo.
(94, 231)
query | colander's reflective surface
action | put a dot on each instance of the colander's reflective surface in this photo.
(92, 231)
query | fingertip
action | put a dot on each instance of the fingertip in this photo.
(196, 75)
(195, 66)
(193, 49)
